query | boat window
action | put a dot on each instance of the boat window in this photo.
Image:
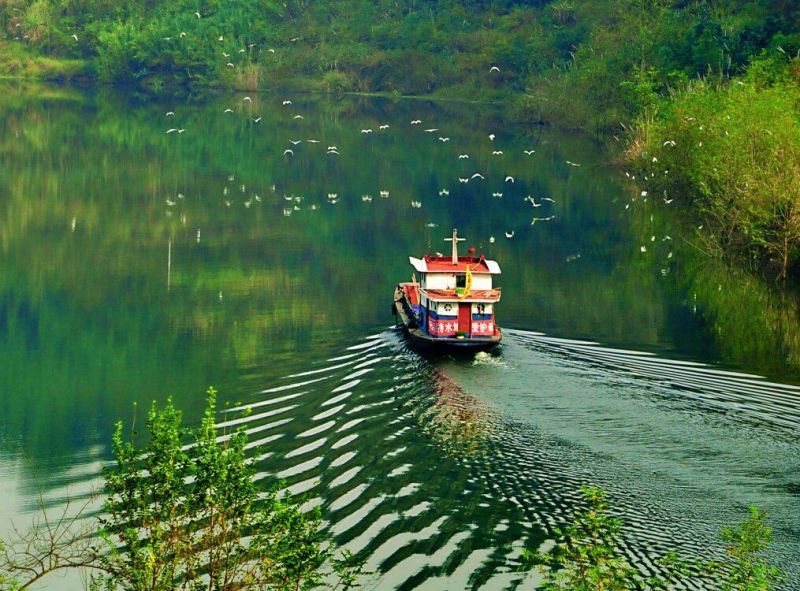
(461, 280)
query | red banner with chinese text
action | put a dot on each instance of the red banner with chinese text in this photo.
(442, 327)
(483, 328)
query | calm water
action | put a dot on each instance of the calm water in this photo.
(136, 263)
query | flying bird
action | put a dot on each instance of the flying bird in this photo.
(509, 179)
(497, 152)
(477, 175)
(533, 201)
(288, 151)
(529, 152)
(416, 122)
(494, 69)
(510, 234)
(463, 156)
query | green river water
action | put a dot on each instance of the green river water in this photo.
(137, 263)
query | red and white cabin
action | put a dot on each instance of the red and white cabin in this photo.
(455, 298)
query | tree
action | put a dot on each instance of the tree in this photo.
(187, 515)
(587, 556)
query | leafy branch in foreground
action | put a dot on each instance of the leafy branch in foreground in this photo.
(587, 556)
(189, 516)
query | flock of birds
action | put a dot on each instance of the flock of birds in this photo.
(296, 147)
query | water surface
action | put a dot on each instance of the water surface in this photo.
(136, 262)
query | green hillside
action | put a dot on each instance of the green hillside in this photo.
(549, 56)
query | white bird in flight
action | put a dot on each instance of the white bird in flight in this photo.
(494, 69)
(416, 122)
(477, 175)
(529, 152)
(288, 151)
(509, 179)
(510, 234)
(463, 156)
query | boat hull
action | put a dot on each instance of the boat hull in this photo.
(401, 309)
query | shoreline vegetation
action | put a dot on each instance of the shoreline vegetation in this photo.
(653, 66)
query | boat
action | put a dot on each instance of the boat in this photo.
(452, 305)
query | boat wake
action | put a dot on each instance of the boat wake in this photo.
(438, 473)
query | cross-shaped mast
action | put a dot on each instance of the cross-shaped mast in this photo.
(455, 240)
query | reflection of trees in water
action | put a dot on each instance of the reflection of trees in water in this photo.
(455, 420)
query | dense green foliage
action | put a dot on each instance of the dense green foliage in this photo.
(588, 556)
(733, 151)
(553, 54)
(186, 514)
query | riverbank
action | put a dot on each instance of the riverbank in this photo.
(16, 62)
(730, 150)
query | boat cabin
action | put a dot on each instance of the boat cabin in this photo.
(455, 296)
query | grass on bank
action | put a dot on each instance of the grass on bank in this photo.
(732, 151)
(17, 62)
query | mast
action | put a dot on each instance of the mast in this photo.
(455, 240)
